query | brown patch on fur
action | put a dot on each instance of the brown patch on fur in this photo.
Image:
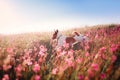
(70, 40)
(76, 33)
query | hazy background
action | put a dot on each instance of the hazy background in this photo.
(18, 16)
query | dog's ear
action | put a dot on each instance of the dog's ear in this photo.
(57, 30)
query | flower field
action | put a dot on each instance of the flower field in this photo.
(32, 57)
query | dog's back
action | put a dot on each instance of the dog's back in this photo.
(70, 40)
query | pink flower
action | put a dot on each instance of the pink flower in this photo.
(27, 54)
(59, 49)
(18, 68)
(9, 66)
(87, 34)
(37, 77)
(113, 48)
(79, 60)
(36, 68)
(87, 47)
(103, 76)
(81, 77)
(35, 48)
(69, 62)
(70, 52)
(40, 60)
(5, 68)
(5, 77)
(55, 71)
(87, 78)
(87, 54)
(10, 50)
(66, 45)
(95, 66)
(29, 63)
(96, 36)
(90, 73)
(103, 49)
(41, 53)
(63, 53)
(43, 48)
(104, 56)
(113, 58)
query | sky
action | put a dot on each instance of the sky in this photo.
(20, 16)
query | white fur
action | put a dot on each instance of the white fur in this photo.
(60, 40)
(80, 38)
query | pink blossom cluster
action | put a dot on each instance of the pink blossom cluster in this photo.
(97, 59)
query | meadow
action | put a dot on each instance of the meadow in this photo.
(30, 56)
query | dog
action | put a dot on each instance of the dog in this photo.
(61, 39)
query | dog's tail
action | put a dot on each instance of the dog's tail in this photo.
(76, 33)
